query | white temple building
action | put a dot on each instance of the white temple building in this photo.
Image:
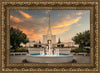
(49, 35)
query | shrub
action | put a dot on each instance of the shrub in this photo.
(58, 45)
(62, 45)
(18, 50)
(24, 61)
(84, 50)
(74, 61)
(77, 50)
(35, 45)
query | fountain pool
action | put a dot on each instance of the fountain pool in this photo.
(37, 58)
(48, 55)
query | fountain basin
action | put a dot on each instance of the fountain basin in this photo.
(37, 58)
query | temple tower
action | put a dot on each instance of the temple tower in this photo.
(49, 35)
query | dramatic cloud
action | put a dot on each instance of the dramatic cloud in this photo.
(35, 31)
(60, 30)
(35, 24)
(29, 32)
(25, 14)
(79, 13)
(65, 22)
(15, 19)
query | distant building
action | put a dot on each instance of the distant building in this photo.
(70, 44)
(29, 44)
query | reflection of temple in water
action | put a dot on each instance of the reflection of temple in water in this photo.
(49, 35)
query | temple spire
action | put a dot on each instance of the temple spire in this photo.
(49, 33)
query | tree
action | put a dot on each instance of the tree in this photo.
(17, 37)
(62, 45)
(35, 45)
(59, 41)
(83, 39)
(58, 45)
(39, 43)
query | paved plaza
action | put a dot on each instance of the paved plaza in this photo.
(78, 58)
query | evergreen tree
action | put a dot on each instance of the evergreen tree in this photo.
(62, 45)
(39, 43)
(58, 45)
(59, 41)
(35, 45)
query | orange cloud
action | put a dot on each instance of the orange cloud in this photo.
(25, 14)
(30, 32)
(39, 35)
(59, 28)
(43, 30)
(32, 35)
(13, 26)
(55, 31)
(79, 13)
(66, 23)
(15, 19)
(60, 31)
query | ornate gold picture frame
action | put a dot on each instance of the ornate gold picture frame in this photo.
(5, 7)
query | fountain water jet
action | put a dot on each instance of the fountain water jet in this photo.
(49, 51)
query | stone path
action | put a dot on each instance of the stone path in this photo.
(82, 59)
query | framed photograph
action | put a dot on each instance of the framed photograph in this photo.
(49, 36)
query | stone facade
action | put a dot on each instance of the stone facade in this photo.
(53, 38)
(61, 50)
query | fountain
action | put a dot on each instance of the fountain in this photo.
(49, 51)
(50, 54)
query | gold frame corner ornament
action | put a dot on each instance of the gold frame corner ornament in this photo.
(92, 6)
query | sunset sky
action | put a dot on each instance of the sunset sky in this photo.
(65, 24)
